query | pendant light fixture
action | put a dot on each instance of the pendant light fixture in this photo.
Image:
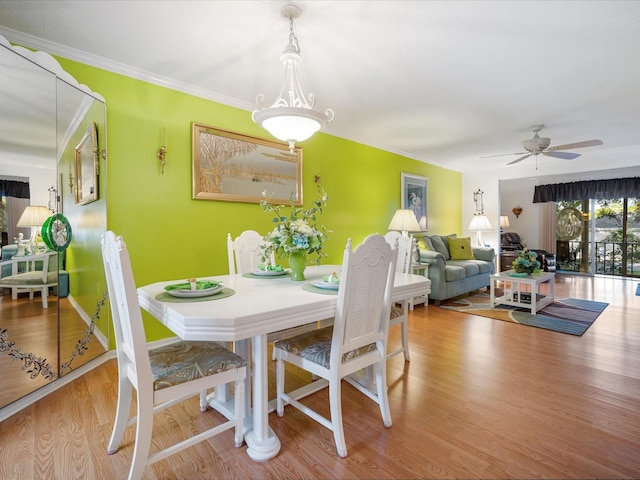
(291, 118)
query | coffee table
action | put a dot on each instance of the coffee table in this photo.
(523, 292)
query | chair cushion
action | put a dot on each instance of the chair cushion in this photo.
(29, 278)
(182, 362)
(316, 347)
(396, 311)
(460, 248)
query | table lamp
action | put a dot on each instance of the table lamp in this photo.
(479, 224)
(404, 220)
(33, 216)
(504, 222)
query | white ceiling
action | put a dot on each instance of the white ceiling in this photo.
(445, 82)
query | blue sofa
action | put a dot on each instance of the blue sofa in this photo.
(451, 278)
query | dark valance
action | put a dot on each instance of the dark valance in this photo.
(585, 190)
(12, 188)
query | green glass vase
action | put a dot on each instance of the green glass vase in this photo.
(297, 263)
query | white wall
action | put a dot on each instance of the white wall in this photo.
(40, 179)
(509, 186)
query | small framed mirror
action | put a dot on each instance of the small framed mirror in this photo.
(86, 167)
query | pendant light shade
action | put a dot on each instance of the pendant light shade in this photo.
(291, 118)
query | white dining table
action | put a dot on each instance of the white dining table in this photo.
(258, 307)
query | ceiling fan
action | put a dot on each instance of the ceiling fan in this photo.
(540, 145)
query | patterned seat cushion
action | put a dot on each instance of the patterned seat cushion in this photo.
(316, 347)
(29, 278)
(396, 311)
(185, 361)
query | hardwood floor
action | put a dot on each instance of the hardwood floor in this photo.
(481, 398)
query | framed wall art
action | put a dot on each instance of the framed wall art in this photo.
(413, 191)
(86, 167)
(238, 168)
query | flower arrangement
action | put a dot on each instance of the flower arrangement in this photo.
(296, 233)
(526, 262)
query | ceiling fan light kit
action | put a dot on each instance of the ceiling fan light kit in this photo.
(540, 145)
(291, 118)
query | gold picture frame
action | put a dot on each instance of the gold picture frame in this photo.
(86, 167)
(233, 167)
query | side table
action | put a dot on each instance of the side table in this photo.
(523, 292)
(419, 269)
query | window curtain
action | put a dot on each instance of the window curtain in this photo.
(549, 227)
(18, 196)
(588, 189)
(13, 188)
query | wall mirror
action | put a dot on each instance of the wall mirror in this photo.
(44, 115)
(86, 166)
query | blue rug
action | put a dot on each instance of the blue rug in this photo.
(565, 315)
(638, 290)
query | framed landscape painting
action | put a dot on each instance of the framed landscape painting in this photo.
(238, 168)
(414, 197)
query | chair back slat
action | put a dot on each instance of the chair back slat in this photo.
(245, 252)
(131, 345)
(364, 299)
(406, 246)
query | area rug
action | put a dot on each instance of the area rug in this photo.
(565, 315)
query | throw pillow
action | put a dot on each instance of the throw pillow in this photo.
(422, 245)
(439, 246)
(460, 248)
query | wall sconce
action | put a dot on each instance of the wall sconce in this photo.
(70, 180)
(517, 210)
(162, 151)
(478, 198)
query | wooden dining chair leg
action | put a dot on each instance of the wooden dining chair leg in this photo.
(203, 401)
(404, 332)
(144, 427)
(335, 406)
(239, 406)
(122, 415)
(383, 398)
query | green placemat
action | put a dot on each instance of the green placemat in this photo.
(165, 297)
(313, 289)
(263, 277)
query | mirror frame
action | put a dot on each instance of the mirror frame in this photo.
(87, 167)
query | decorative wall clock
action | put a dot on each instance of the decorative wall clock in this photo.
(56, 232)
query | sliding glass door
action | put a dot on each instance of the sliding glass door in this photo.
(600, 236)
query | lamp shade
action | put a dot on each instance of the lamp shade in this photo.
(504, 221)
(404, 220)
(479, 223)
(33, 216)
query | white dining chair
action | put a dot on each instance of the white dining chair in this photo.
(357, 339)
(245, 252)
(31, 273)
(400, 310)
(162, 376)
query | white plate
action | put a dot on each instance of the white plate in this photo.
(195, 293)
(268, 273)
(325, 285)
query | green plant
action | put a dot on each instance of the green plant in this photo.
(297, 232)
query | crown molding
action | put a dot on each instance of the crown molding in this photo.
(83, 57)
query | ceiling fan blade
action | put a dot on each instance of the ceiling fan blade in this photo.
(563, 155)
(569, 146)
(519, 159)
(504, 155)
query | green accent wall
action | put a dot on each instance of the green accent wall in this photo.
(172, 236)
